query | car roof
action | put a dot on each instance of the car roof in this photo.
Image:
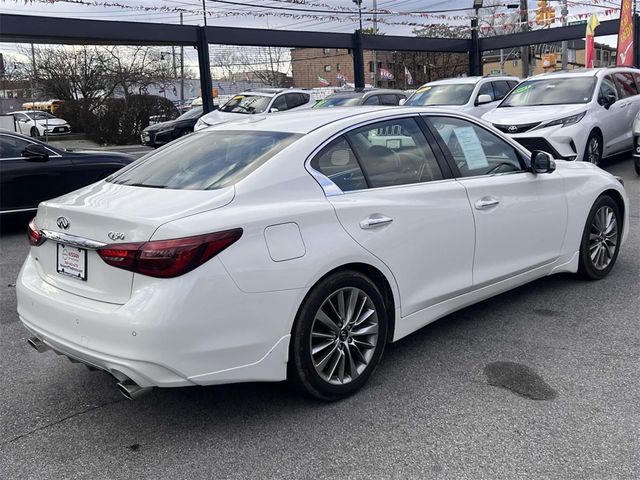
(299, 121)
(471, 80)
(583, 72)
(366, 93)
(27, 111)
(271, 92)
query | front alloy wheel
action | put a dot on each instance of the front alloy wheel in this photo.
(600, 240)
(593, 150)
(338, 336)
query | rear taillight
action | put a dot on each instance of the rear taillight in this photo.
(33, 234)
(168, 258)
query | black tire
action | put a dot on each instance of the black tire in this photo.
(588, 267)
(303, 372)
(636, 165)
(594, 157)
(34, 132)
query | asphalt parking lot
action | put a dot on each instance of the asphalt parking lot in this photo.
(437, 406)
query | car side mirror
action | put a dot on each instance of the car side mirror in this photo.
(35, 153)
(609, 99)
(484, 98)
(402, 101)
(274, 109)
(541, 162)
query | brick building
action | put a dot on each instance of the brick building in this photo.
(310, 65)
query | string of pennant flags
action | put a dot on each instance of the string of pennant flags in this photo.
(607, 10)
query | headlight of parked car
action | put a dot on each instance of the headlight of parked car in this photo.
(566, 121)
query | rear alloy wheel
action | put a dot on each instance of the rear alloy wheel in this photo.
(601, 239)
(338, 337)
(593, 150)
(34, 132)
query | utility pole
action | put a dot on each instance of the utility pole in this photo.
(33, 73)
(524, 50)
(204, 12)
(373, 53)
(564, 12)
(181, 66)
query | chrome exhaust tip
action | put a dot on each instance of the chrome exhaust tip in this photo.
(132, 390)
(38, 345)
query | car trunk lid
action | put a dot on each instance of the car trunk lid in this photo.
(105, 213)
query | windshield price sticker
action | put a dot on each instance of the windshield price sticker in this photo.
(471, 147)
(522, 89)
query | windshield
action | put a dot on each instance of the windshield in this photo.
(205, 161)
(551, 91)
(40, 115)
(246, 104)
(343, 101)
(193, 113)
(449, 94)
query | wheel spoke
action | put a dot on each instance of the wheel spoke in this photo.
(364, 316)
(368, 330)
(324, 318)
(323, 363)
(335, 360)
(351, 305)
(353, 370)
(322, 335)
(321, 346)
(342, 309)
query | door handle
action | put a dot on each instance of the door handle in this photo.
(375, 221)
(487, 202)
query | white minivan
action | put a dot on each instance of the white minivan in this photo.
(584, 114)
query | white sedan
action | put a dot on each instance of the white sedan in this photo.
(38, 124)
(296, 246)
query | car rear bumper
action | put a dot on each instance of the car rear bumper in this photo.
(191, 330)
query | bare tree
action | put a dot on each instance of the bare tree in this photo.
(443, 64)
(131, 68)
(266, 65)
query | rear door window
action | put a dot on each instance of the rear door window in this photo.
(626, 84)
(388, 100)
(394, 152)
(206, 161)
(372, 100)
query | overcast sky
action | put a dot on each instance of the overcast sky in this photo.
(251, 15)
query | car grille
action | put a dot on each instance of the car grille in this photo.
(518, 128)
(532, 144)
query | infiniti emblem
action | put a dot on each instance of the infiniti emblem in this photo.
(116, 235)
(63, 222)
(512, 129)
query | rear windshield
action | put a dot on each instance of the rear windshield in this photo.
(338, 102)
(446, 94)
(205, 161)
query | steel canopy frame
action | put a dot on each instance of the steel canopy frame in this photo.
(50, 30)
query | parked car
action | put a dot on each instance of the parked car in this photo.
(296, 246)
(32, 171)
(636, 143)
(351, 98)
(573, 115)
(38, 124)
(259, 100)
(471, 95)
(162, 133)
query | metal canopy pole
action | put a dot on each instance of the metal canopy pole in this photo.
(475, 55)
(206, 85)
(358, 60)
